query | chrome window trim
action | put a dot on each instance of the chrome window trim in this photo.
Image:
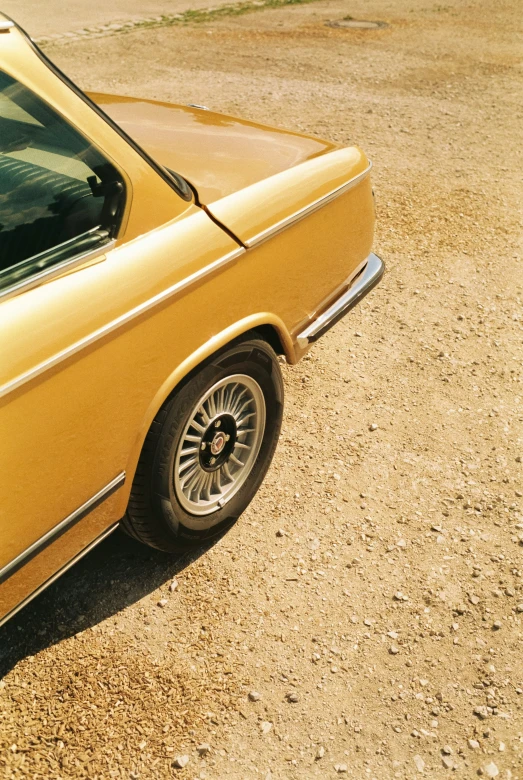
(59, 573)
(306, 210)
(64, 525)
(56, 270)
(174, 289)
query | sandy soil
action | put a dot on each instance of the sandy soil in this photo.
(371, 598)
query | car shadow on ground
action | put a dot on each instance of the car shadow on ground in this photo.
(116, 573)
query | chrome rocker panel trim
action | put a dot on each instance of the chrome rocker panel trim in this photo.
(363, 284)
(59, 573)
(13, 566)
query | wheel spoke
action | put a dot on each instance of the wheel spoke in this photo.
(197, 485)
(234, 459)
(212, 406)
(197, 427)
(190, 451)
(205, 415)
(237, 401)
(189, 478)
(242, 446)
(230, 391)
(183, 466)
(205, 491)
(244, 430)
(227, 474)
(247, 416)
(220, 400)
(190, 437)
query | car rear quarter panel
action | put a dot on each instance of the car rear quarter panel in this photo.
(78, 423)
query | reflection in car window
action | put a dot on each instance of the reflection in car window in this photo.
(58, 194)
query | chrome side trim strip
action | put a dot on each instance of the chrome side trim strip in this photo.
(5, 26)
(59, 573)
(56, 270)
(52, 535)
(368, 278)
(174, 289)
(306, 210)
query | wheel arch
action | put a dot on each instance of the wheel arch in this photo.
(265, 325)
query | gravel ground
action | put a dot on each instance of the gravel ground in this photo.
(363, 619)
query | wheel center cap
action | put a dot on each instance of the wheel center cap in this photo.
(218, 443)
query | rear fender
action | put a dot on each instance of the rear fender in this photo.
(268, 207)
(262, 319)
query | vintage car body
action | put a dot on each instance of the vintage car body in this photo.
(274, 235)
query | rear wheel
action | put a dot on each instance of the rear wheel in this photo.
(208, 448)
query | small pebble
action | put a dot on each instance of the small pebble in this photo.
(372, 427)
(481, 712)
(491, 770)
(254, 696)
(265, 726)
(163, 603)
(419, 763)
(320, 753)
(173, 586)
(473, 744)
(292, 697)
(447, 762)
(203, 749)
(340, 768)
(394, 650)
(181, 761)
(497, 625)
(447, 750)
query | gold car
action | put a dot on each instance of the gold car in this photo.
(154, 261)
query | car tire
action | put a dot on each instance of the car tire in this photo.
(208, 448)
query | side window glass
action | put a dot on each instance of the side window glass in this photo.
(58, 195)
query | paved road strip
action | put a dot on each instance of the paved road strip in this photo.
(193, 16)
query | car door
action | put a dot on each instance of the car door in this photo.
(76, 380)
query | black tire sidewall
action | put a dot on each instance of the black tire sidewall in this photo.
(257, 360)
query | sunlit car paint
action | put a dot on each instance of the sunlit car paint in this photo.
(270, 240)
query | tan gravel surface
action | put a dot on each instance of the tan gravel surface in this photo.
(370, 600)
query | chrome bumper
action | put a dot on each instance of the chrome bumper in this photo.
(364, 282)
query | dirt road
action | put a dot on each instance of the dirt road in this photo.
(364, 618)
